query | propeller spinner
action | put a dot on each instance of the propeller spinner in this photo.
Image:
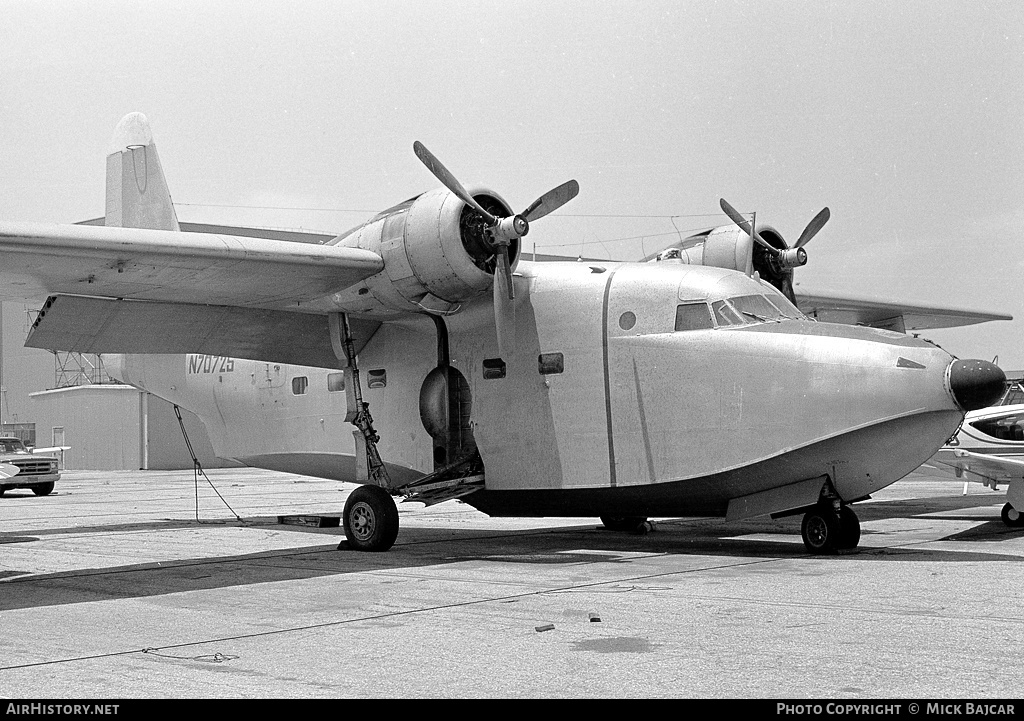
(784, 259)
(501, 231)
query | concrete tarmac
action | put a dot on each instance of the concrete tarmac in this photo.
(133, 585)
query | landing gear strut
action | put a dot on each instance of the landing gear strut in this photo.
(826, 531)
(370, 516)
(1012, 517)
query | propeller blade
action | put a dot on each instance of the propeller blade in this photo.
(552, 200)
(734, 215)
(747, 228)
(449, 181)
(503, 273)
(504, 305)
(816, 224)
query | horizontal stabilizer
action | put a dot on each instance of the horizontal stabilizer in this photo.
(101, 325)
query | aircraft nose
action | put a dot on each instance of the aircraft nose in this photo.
(975, 383)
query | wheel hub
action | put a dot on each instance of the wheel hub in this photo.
(817, 531)
(363, 521)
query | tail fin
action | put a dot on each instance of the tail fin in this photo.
(137, 195)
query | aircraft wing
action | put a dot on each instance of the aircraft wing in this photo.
(105, 325)
(901, 317)
(37, 260)
(986, 468)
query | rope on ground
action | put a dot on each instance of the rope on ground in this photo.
(197, 470)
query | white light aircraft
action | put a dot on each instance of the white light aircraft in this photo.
(691, 387)
(989, 449)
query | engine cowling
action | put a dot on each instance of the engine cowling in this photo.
(436, 254)
(732, 247)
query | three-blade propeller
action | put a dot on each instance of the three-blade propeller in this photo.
(501, 231)
(786, 258)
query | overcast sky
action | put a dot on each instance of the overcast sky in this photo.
(905, 119)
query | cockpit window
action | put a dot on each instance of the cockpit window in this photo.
(725, 314)
(756, 308)
(1007, 428)
(746, 309)
(784, 305)
(693, 316)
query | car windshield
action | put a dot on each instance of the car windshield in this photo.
(11, 445)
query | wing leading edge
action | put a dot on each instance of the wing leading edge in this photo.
(171, 266)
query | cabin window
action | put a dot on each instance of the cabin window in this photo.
(549, 363)
(377, 378)
(335, 382)
(494, 368)
(299, 385)
(693, 316)
(627, 320)
(1006, 428)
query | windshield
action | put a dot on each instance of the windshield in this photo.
(1004, 428)
(782, 303)
(746, 309)
(11, 445)
(756, 307)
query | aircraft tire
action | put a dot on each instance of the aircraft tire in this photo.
(821, 530)
(849, 529)
(370, 519)
(1012, 517)
(630, 524)
(43, 489)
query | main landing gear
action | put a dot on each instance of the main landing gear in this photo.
(826, 530)
(370, 519)
(1012, 517)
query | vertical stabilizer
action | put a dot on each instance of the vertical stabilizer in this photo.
(137, 195)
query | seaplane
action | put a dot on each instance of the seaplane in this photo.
(689, 385)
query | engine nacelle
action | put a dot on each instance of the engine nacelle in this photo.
(436, 253)
(725, 247)
(730, 247)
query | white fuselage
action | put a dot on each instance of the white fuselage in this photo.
(666, 421)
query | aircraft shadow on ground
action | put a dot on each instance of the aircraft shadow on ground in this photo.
(423, 547)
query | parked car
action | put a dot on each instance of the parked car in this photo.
(35, 470)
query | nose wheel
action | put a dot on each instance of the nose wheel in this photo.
(824, 531)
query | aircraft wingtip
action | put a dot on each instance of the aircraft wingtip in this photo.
(133, 131)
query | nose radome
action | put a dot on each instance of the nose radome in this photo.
(975, 383)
